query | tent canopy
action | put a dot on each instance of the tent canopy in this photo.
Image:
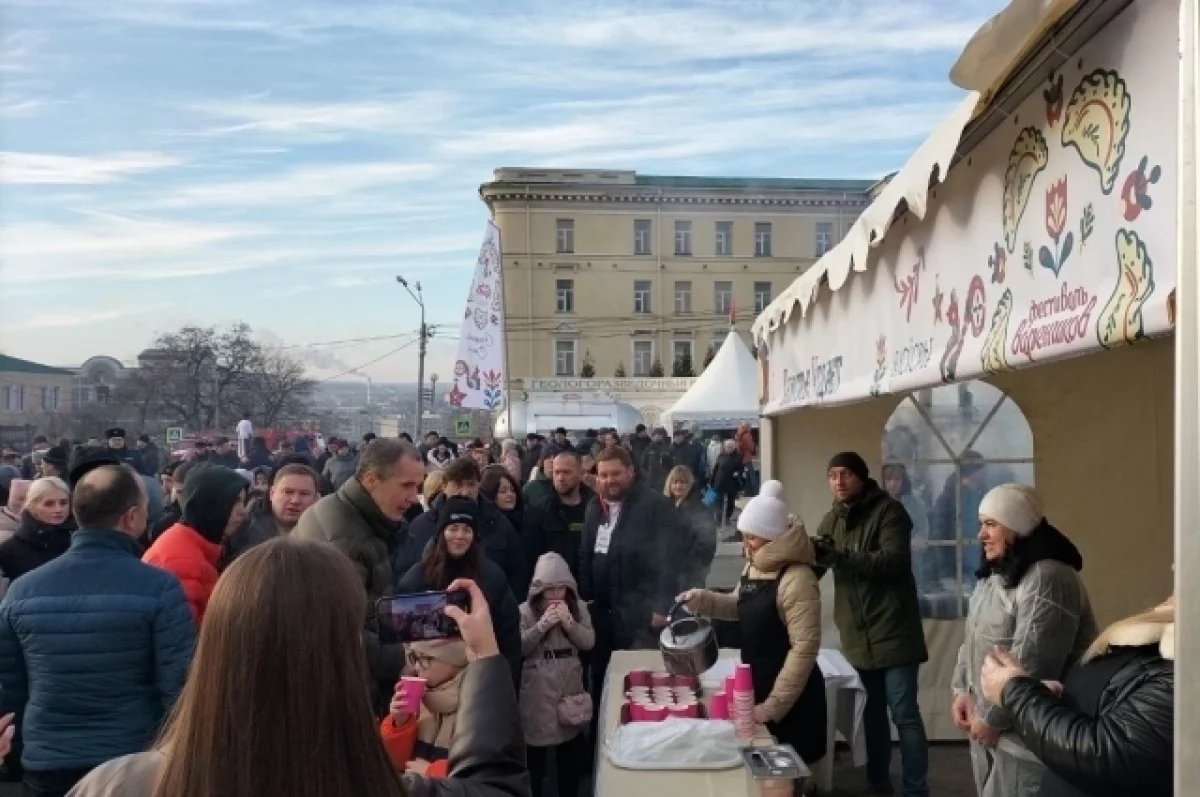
(725, 395)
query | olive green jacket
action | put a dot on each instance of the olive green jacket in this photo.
(875, 599)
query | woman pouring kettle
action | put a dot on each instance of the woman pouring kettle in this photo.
(778, 605)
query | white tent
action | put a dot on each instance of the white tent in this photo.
(725, 395)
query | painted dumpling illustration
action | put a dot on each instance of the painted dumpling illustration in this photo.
(1120, 321)
(1028, 157)
(1097, 123)
(992, 355)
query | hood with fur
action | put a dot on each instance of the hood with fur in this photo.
(1155, 627)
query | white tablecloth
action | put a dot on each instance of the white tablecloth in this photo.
(846, 699)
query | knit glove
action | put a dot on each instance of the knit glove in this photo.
(546, 621)
(826, 551)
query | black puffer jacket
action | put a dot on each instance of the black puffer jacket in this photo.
(547, 530)
(34, 544)
(501, 543)
(1112, 732)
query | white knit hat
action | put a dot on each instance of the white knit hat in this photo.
(1014, 506)
(766, 515)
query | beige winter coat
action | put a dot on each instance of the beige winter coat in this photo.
(799, 602)
(546, 679)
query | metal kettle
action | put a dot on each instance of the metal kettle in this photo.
(688, 643)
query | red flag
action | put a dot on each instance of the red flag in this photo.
(732, 316)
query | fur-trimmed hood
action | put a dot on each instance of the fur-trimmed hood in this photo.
(1156, 626)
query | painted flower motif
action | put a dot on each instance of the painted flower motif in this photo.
(1056, 208)
(1053, 95)
(456, 396)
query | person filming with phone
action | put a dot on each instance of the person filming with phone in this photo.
(293, 719)
(456, 552)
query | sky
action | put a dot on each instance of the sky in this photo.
(279, 162)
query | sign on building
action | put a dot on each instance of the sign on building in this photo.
(462, 427)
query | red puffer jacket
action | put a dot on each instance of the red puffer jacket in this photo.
(192, 559)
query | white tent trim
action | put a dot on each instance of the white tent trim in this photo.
(725, 395)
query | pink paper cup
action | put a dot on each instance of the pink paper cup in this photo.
(690, 681)
(729, 687)
(637, 712)
(718, 707)
(656, 713)
(412, 690)
(661, 679)
(743, 679)
(679, 712)
(639, 678)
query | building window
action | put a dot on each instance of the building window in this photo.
(943, 449)
(824, 237)
(680, 350)
(85, 395)
(564, 296)
(8, 398)
(724, 238)
(723, 298)
(762, 239)
(683, 297)
(643, 357)
(20, 398)
(762, 296)
(45, 395)
(718, 338)
(54, 398)
(683, 237)
(643, 230)
(641, 296)
(565, 237)
(564, 358)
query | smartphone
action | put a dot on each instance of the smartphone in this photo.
(417, 617)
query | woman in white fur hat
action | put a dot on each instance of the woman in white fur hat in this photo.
(778, 605)
(1030, 601)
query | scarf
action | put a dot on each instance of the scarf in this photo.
(439, 712)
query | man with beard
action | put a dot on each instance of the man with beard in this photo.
(625, 570)
(555, 524)
(293, 490)
(116, 443)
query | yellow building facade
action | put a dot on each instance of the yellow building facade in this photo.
(621, 271)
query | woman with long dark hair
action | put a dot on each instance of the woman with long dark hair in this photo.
(1029, 601)
(503, 490)
(293, 719)
(457, 553)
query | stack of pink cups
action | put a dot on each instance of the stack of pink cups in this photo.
(652, 697)
(741, 708)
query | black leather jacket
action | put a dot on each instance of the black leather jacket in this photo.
(1124, 746)
(487, 756)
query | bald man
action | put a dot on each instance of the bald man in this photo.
(104, 641)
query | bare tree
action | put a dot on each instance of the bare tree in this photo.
(278, 389)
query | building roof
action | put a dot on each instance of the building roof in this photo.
(755, 183)
(17, 365)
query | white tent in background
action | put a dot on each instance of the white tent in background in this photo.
(726, 394)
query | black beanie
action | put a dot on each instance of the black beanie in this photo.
(458, 510)
(852, 462)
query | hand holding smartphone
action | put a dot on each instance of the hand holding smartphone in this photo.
(420, 616)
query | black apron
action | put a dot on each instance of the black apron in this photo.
(765, 646)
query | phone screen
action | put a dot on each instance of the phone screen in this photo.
(417, 617)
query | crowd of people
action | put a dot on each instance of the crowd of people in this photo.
(255, 578)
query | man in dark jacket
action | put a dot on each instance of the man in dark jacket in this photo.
(538, 489)
(501, 543)
(555, 525)
(116, 444)
(365, 520)
(625, 568)
(690, 454)
(656, 461)
(638, 444)
(293, 490)
(865, 539)
(341, 464)
(225, 454)
(151, 459)
(94, 646)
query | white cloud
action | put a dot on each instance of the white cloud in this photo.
(303, 184)
(407, 115)
(75, 319)
(106, 235)
(34, 168)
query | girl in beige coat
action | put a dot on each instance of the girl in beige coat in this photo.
(555, 708)
(778, 606)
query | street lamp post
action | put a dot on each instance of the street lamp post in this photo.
(424, 333)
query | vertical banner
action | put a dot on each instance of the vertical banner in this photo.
(479, 376)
